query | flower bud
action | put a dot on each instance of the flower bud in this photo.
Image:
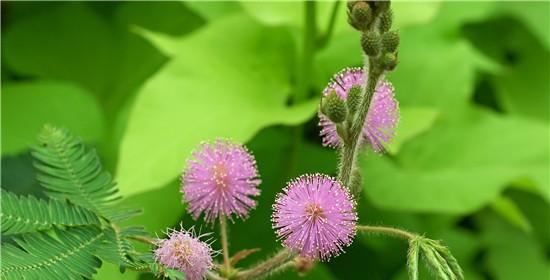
(389, 61)
(334, 108)
(359, 15)
(386, 20)
(354, 99)
(390, 41)
(370, 42)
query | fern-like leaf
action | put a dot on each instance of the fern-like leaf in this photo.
(117, 249)
(68, 255)
(22, 214)
(68, 170)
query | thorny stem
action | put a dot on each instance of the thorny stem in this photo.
(225, 246)
(276, 263)
(351, 145)
(395, 232)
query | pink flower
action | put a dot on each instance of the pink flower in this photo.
(382, 117)
(315, 216)
(186, 253)
(220, 180)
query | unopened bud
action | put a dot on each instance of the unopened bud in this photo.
(389, 61)
(360, 15)
(303, 265)
(390, 41)
(386, 21)
(354, 99)
(334, 108)
(370, 42)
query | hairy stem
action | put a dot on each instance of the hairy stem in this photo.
(276, 263)
(143, 239)
(395, 232)
(225, 246)
(351, 145)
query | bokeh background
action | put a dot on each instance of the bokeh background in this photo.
(145, 82)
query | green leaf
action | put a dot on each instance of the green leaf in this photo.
(117, 249)
(412, 259)
(510, 211)
(512, 253)
(248, 90)
(412, 122)
(22, 214)
(40, 256)
(52, 44)
(457, 167)
(26, 106)
(69, 170)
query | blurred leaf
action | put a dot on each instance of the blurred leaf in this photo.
(522, 86)
(162, 208)
(212, 10)
(110, 271)
(510, 211)
(27, 106)
(413, 13)
(533, 14)
(412, 122)
(67, 42)
(249, 88)
(458, 168)
(512, 254)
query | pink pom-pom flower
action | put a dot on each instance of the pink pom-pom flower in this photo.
(315, 216)
(382, 117)
(220, 181)
(184, 251)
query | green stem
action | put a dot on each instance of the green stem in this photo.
(276, 263)
(395, 232)
(225, 245)
(351, 145)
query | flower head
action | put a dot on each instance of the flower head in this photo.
(382, 117)
(183, 251)
(315, 215)
(220, 180)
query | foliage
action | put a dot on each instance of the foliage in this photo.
(470, 164)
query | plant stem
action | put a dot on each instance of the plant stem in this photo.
(143, 239)
(276, 263)
(323, 41)
(225, 245)
(395, 232)
(213, 276)
(351, 145)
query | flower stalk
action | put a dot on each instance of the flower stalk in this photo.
(274, 264)
(225, 245)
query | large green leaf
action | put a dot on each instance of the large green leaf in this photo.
(27, 106)
(214, 86)
(412, 122)
(459, 167)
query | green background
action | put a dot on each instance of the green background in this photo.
(145, 82)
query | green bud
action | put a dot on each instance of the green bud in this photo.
(354, 99)
(370, 42)
(334, 108)
(389, 61)
(390, 41)
(360, 15)
(381, 6)
(386, 20)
